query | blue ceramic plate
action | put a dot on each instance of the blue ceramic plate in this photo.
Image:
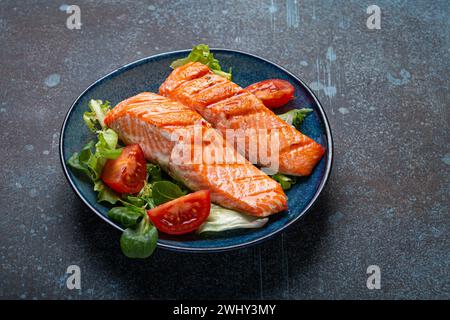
(147, 75)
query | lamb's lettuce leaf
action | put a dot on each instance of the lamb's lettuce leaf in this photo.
(140, 240)
(164, 191)
(128, 216)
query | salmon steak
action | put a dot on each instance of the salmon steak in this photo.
(170, 134)
(228, 107)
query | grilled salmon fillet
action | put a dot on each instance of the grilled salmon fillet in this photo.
(164, 128)
(225, 105)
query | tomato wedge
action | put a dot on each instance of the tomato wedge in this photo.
(127, 173)
(182, 215)
(274, 93)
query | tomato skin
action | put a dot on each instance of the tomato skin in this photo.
(127, 173)
(274, 93)
(182, 215)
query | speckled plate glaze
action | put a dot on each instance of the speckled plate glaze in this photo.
(146, 75)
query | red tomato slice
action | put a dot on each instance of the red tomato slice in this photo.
(127, 173)
(182, 215)
(274, 93)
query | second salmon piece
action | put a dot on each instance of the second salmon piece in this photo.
(227, 106)
(153, 121)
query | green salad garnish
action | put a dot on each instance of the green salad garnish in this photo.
(139, 241)
(93, 156)
(285, 181)
(140, 236)
(130, 210)
(202, 54)
(295, 117)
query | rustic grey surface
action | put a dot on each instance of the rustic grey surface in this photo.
(385, 92)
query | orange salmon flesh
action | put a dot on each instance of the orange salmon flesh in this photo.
(225, 105)
(151, 121)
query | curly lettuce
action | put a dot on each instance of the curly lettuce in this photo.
(295, 117)
(202, 54)
(93, 156)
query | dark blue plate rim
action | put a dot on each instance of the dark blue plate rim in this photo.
(329, 151)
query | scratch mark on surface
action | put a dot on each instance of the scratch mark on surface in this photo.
(329, 89)
(314, 12)
(292, 14)
(261, 294)
(331, 55)
(285, 266)
(272, 10)
(324, 78)
(344, 23)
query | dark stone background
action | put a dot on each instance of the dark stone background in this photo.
(385, 93)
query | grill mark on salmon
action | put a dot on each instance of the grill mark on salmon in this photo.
(150, 120)
(227, 106)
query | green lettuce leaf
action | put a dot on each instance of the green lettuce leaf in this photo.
(154, 172)
(80, 160)
(295, 117)
(285, 182)
(140, 236)
(221, 219)
(202, 54)
(126, 216)
(91, 162)
(130, 200)
(104, 193)
(106, 147)
(94, 119)
(91, 159)
(146, 195)
(164, 191)
(139, 242)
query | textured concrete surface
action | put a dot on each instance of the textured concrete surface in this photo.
(385, 92)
